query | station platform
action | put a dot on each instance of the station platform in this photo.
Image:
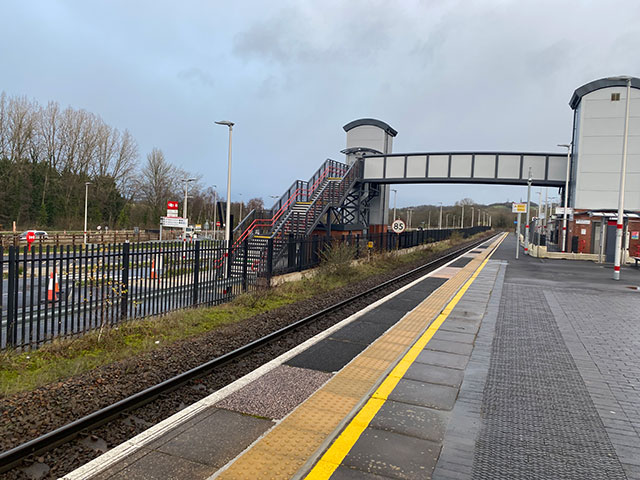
(489, 367)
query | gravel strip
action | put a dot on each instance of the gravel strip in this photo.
(276, 393)
(27, 415)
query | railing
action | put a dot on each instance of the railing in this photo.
(51, 293)
(112, 236)
(299, 191)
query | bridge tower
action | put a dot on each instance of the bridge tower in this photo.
(368, 206)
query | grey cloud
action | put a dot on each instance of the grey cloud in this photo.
(196, 75)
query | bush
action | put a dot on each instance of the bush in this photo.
(337, 260)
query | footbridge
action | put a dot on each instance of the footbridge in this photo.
(503, 168)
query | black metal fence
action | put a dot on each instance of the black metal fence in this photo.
(59, 292)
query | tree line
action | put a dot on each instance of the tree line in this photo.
(48, 154)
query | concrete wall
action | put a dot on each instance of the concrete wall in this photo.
(599, 131)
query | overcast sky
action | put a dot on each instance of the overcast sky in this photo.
(447, 75)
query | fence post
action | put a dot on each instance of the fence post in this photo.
(301, 255)
(269, 261)
(229, 259)
(124, 297)
(357, 245)
(196, 272)
(245, 261)
(11, 291)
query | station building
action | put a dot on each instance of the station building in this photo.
(597, 146)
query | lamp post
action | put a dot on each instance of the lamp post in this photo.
(566, 196)
(86, 196)
(215, 210)
(472, 212)
(240, 219)
(395, 197)
(184, 210)
(526, 226)
(440, 222)
(623, 174)
(462, 217)
(227, 226)
(447, 220)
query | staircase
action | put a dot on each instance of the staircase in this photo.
(296, 213)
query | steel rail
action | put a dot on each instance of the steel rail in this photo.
(10, 458)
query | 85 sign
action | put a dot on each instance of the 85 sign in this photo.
(398, 226)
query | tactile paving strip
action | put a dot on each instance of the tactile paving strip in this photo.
(539, 420)
(321, 417)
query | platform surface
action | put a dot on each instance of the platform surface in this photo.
(490, 368)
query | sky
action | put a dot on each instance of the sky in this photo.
(447, 75)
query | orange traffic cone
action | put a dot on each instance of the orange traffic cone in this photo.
(153, 269)
(53, 290)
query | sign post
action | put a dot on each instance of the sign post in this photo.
(31, 236)
(518, 208)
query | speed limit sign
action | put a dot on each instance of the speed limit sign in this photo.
(398, 226)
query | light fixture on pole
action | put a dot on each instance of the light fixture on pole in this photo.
(526, 226)
(462, 216)
(395, 197)
(472, 212)
(184, 210)
(227, 226)
(215, 210)
(240, 219)
(623, 174)
(86, 196)
(566, 196)
(440, 222)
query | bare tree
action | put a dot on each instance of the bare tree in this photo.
(4, 126)
(158, 182)
(21, 123)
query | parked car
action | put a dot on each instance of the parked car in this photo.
(39, 235)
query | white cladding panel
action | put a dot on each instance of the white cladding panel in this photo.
(374, 167)
(509, 166)
(537, 165)
(484, 166)
(598, 141)
(461, 166)
(417, 166)
(438, 166)
(557, 168)
(369, 136)
(395, 167)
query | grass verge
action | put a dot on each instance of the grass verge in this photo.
(64, 358)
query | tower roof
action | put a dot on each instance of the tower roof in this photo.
(598, 84)
(371, 121)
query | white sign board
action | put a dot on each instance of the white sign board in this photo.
(583, 222)
(518, 208)
(398, 226)
(560, 210)
(175, 222)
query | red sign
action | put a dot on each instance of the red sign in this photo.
(31, 236)
(218, 223)
(172, 209)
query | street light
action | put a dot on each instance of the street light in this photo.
(623, 174)
(86, 195)
(227, 227)
(184, 210)
(395, 196)
(240, 219)
(440, 222)
(566, 196)
(215, 210)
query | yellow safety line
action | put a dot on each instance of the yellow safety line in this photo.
(334, 456)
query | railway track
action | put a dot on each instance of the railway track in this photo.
(238, 360)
